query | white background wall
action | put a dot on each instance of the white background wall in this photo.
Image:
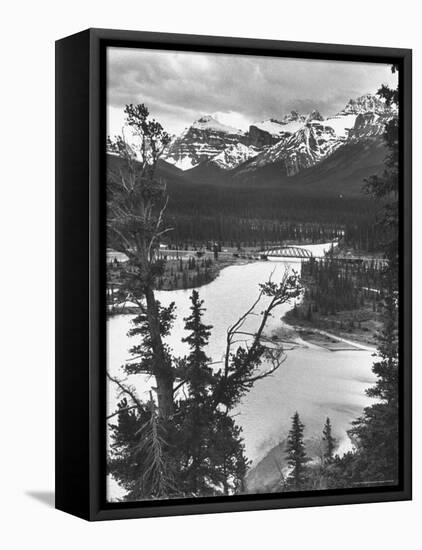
(27, 39)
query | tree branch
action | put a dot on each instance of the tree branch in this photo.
(125, 389)
(122, 410)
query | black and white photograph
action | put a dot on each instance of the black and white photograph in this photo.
(252, 275)
(209, 284)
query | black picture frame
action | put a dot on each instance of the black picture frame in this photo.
(80, 272)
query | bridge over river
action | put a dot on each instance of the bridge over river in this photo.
(287, 252)
(300, 252)
(274, 252)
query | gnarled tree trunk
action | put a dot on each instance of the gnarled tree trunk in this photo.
(162, 368)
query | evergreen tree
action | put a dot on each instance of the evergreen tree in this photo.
(139, 460)
(196, 414)
(183, 441)
(376, 433)
(212, 445)
(199, 374)
(385, 187)
(329, 442)
(296, 454)
(123, 464)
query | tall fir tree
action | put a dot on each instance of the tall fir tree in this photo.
(138, 459)
(296, 455)
(385, 187)
(376, 433)
(329, 442)
(213, 447)
(199, 373)
(197, 418)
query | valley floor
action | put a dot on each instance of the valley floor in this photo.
(186, 269)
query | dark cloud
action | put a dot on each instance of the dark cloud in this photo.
(178, 87)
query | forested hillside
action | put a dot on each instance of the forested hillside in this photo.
(301, 208)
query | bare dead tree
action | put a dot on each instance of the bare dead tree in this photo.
(242, 365)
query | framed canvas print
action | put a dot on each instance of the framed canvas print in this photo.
(233, 274)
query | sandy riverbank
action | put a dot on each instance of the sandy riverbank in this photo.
(321, 338)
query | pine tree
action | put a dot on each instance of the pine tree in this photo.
(377, 432)
(199, 374)
(212, 445)
(196, 414)
(139, 460)
(157, 476)
(329, 442)
(386, 185)
(296, 454)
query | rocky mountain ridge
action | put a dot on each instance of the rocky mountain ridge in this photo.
(293, 143)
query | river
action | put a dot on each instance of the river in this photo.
(312, 380)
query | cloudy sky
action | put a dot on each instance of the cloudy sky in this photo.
(179, 87)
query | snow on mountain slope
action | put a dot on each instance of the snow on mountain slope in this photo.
(294, 142)
(206, 138)
(268, 132)
(316, 138)
(289, 125)
(341, 124)
(233, 156)
(310, 144)
(271, 126)
(364, 104)
(369, 125)
(210, 123)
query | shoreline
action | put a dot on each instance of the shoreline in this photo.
(326, 332)
(212, 271)
(256, 420)
(327, 340)
(215, 272)
(356, 327)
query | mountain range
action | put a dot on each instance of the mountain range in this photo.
(280, 148)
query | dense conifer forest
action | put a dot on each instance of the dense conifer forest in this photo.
(240, 213)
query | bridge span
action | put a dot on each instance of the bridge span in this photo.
(287, 252)
(305, 254)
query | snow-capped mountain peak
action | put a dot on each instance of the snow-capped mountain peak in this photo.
(208, 122)
(316, 138)
(295, 141)
(314, 115)
(234, 155)
(203, 140)
(311, 143)
(292, 117)
(272, 126)
(364, 104)
(288, 125)
(270, 131)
